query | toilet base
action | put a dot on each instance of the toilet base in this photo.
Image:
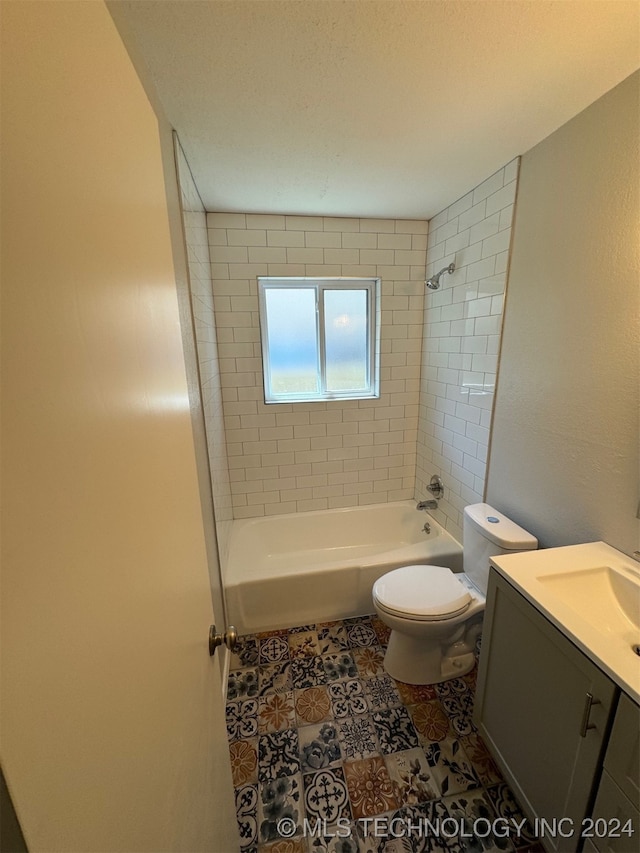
(414, 661)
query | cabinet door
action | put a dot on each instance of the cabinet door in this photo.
(623, 753)
(616, 813)
(616, 820)
(533, 689)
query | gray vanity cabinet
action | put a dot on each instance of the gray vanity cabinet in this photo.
(534, 712)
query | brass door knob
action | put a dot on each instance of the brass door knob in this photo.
(229, 638)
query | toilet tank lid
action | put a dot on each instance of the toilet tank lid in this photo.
(499, 529)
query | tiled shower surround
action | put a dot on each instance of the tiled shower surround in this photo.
(308, 456)
(330, 754)
(196, 239)
(439, 354)
(460, 347)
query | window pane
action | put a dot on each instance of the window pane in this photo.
(345, 321)
(293, 346)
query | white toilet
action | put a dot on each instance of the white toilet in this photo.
(435, 615)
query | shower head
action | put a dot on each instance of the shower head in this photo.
(433, 283)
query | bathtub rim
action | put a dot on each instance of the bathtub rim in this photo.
(265, 601)
(438, 534)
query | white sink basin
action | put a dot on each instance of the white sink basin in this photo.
(592, 594)
(606, 595)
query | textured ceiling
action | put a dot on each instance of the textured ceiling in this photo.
(370, 108)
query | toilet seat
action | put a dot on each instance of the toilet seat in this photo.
(422, 593)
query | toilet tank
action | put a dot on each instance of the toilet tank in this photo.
(487, 533)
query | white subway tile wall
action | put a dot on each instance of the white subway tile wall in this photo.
(460, 347)
(197, 241)
(307, 456)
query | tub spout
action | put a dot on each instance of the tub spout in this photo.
(431, 504)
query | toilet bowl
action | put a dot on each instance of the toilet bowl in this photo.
(435, 615)
(431, 612)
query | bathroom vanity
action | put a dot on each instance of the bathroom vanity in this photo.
(558, 698)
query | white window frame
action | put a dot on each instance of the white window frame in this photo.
(320, 285)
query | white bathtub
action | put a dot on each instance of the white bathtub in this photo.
(308, 567)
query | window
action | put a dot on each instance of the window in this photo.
(319, 338)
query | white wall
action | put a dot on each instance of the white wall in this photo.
(462, 326)
(564, 453)
(293, 458)
(109, 698)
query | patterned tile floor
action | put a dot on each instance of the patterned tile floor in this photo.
(331, 755)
